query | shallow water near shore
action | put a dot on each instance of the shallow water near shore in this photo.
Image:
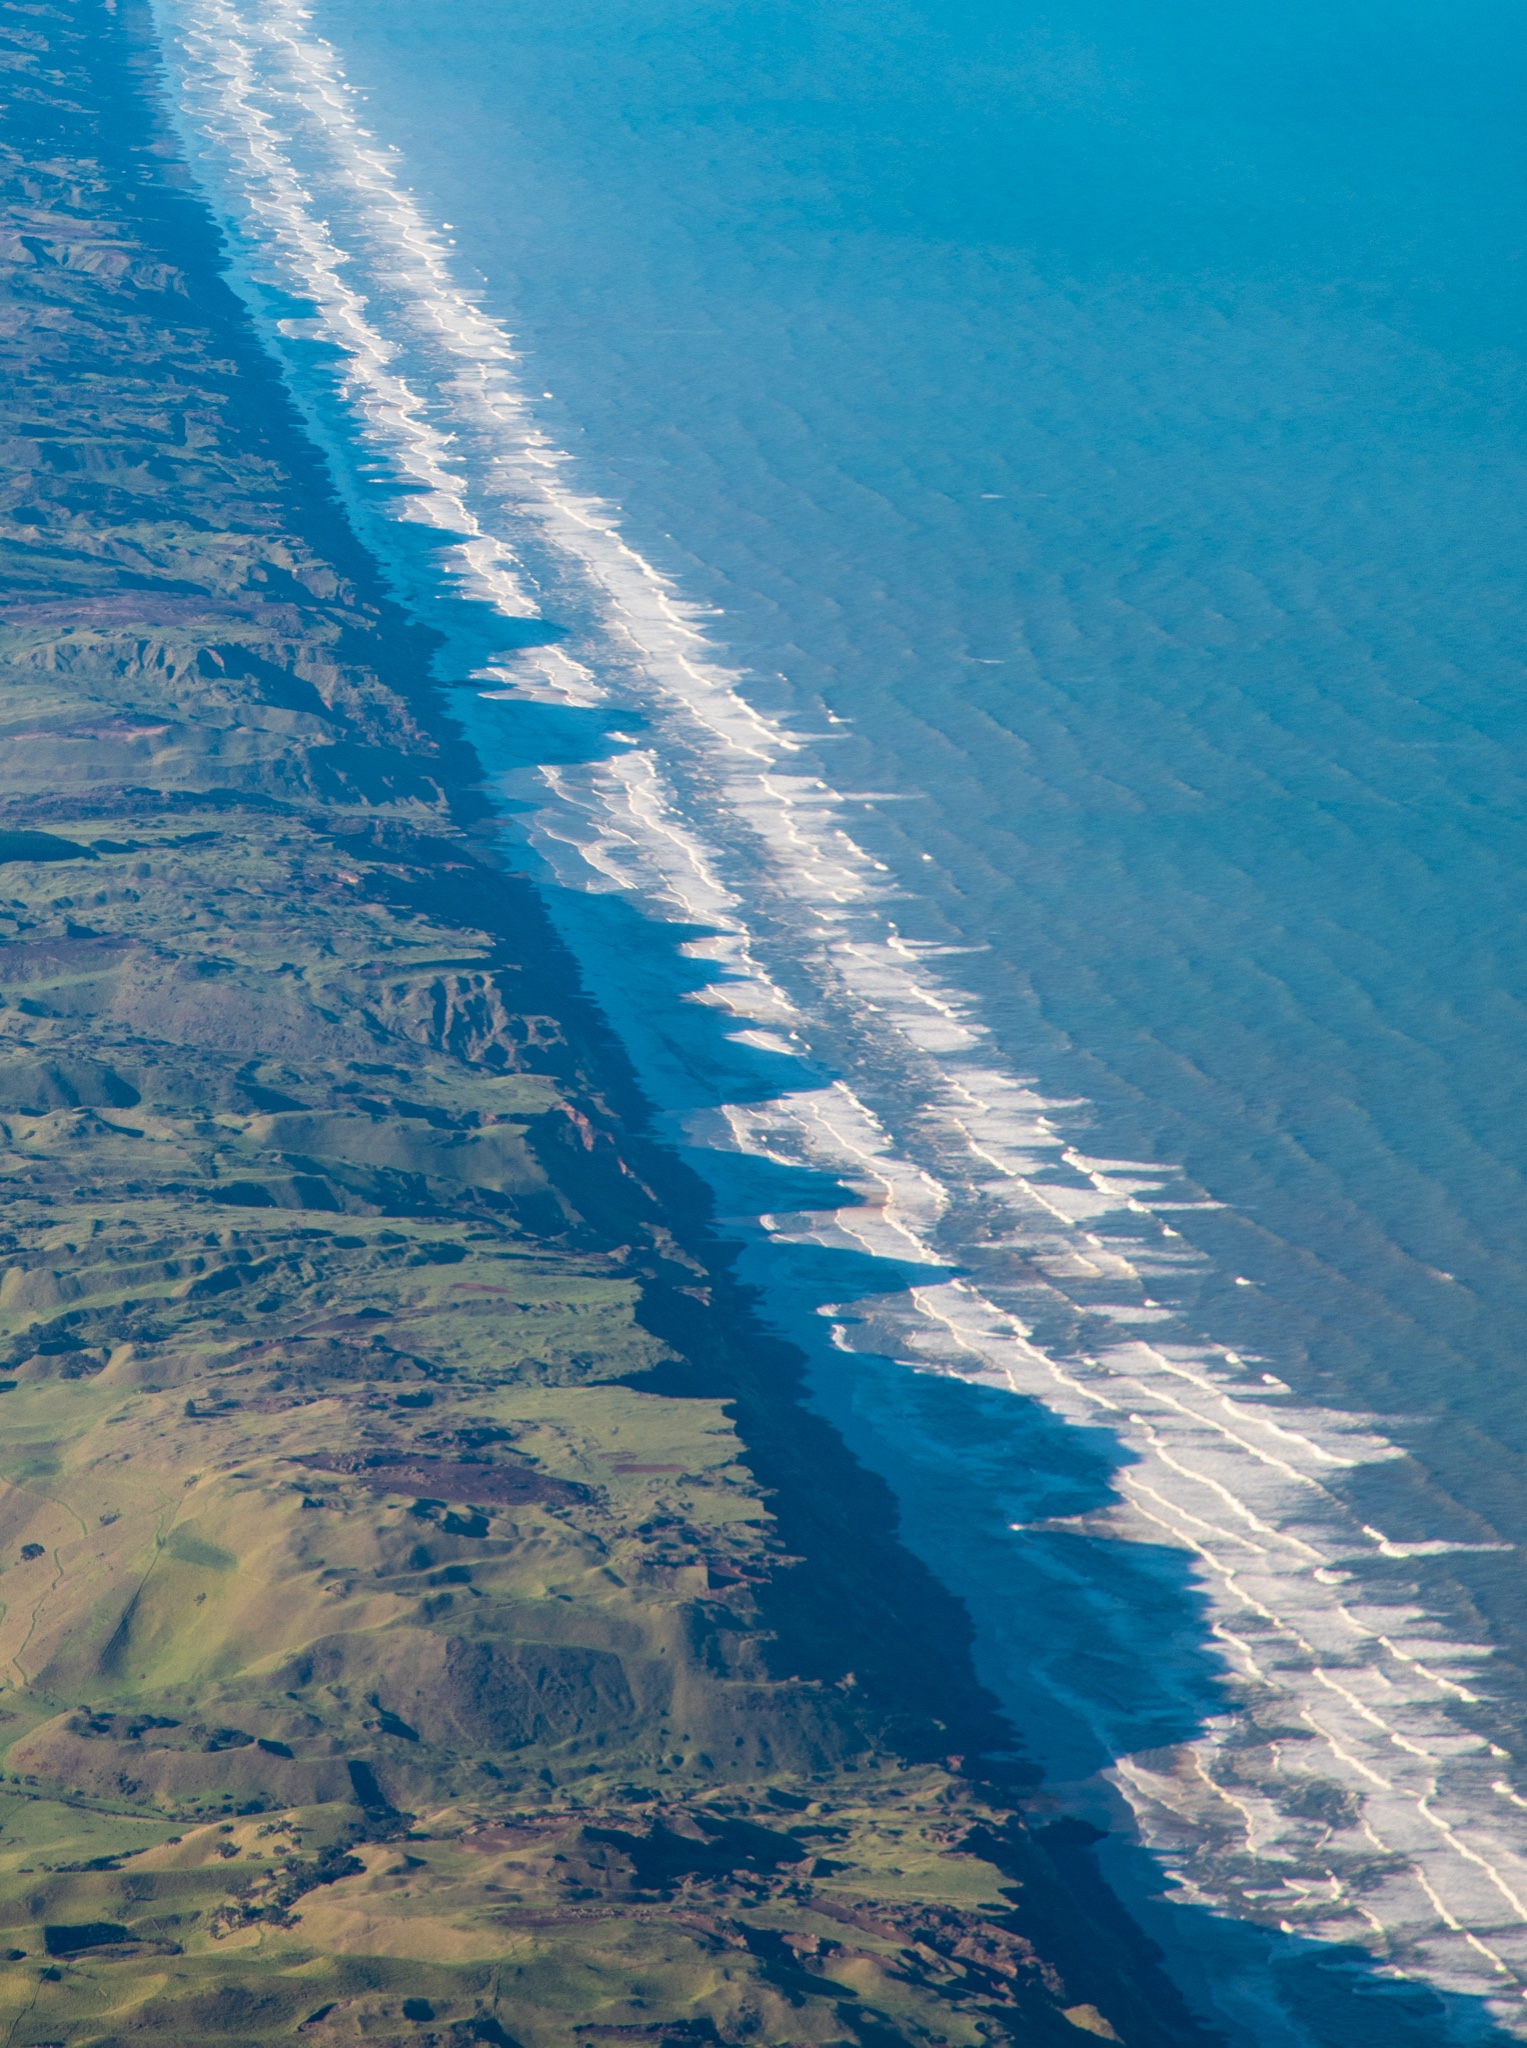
(1029, 511)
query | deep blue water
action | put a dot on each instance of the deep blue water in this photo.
(1115, 411)
(1110, 418)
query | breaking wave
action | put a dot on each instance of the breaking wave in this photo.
(1333, 1778)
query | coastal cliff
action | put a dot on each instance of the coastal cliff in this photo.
(427, 1612)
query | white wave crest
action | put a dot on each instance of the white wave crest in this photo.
(1340, 1789)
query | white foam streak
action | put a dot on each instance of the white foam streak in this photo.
(1405, 1838)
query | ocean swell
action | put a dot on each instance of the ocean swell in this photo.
(1325, 1769)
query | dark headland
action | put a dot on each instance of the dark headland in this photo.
(427, 1613)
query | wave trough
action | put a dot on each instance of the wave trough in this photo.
(1344, 1786)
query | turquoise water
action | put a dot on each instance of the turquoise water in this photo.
(1116, 413)
(1095, 432)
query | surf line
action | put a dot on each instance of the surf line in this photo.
(1415, 1839)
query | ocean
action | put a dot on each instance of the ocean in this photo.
(980, 547)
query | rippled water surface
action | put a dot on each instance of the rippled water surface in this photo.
(1034, 497)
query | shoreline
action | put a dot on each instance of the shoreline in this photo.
(223, 715)
(286, 160)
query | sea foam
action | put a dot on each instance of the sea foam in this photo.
(1341, 1784)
